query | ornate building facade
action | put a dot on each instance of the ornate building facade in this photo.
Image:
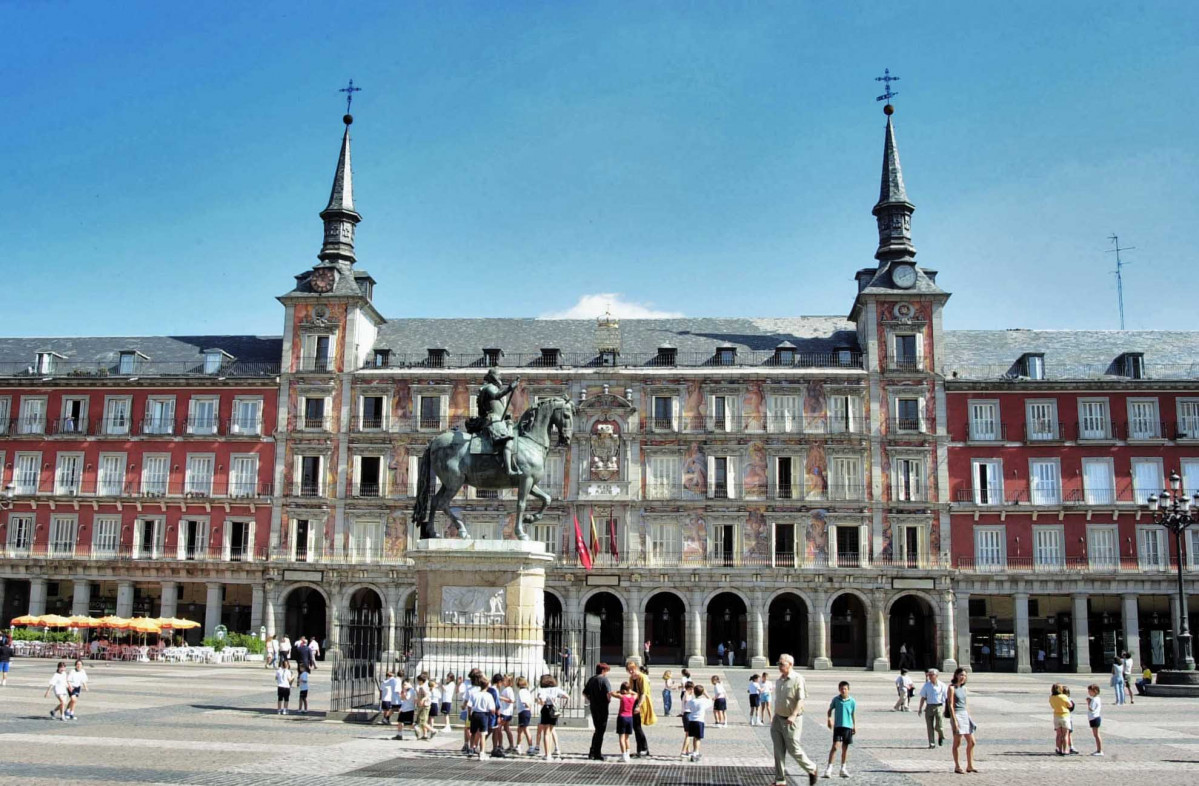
(840, 488)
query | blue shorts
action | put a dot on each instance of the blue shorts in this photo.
(446, 707)
(522, 719)
(4, 667)
(720, 705)
(624, 724)
(695, 730)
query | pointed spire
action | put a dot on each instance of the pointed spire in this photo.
(893, 210)
(339, 215)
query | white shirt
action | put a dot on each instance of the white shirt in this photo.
(407, 698)
(754, 688)
(303, 680)
(77, 679)
(424, 696)
(482, 701)
(435, 693)
(524, 700)
(58, 681)
(547, 696)
(285, 645)
(1128, 667)
(283, 677)
(506, 707)
(1117, 669)
(764, 688)
(697, 709)
(388, 688)
(272, 646)
(1093, 707)
(933, 692)
(719, 691)
(464, 691)
(903, 681)
(469, 696)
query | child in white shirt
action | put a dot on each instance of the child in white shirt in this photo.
(303, 683)
(688, 695)
(58, 684)
(1095, 717)
(387, 696)
(903, 687)
(720, 702)
(697, 709)
(76, 684)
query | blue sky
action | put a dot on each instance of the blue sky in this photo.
(163, 165)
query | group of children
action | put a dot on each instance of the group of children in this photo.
(1063, 724)
(415, 706)
(66, 686)
(759, 699)
(284, 679)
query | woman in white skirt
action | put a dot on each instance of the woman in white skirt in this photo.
(963, 726)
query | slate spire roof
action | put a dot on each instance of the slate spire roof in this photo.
(339, 215)
(893, 210)
(342, 195)
(892, 188)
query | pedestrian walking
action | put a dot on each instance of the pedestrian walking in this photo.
(407, 713)
(497, 742)
(1095, 717)
(1041, 659)
(388, 690)
(720, 702)
(1117, 681)
(303, 686)
(682, 685)
(314, 650)
(507, 712)
(481, 706)
(842, 719)
(6, 653)
(697, 709)
(765, 686)
(467, 686)
(668, 689)
(789, 695)
(424, 704)
(643, 710)
(730, 654)
(685, 703)
(1128, 677)
(76, 684)
(645, 654)
(963, 725)
(285, 648)
(60, 687)
(449, 688)
(272, 651)
(624, 720)
(550, 698)
(524, 713)
(597, 693)
(932, 702)
(755, 695)
(1061, 717)
(720, 653)
(284, 677)
(903, 687)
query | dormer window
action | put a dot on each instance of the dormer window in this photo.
(491, 356)
(1134, 365)
(607, 357)
(47, 362)
(784, 354)
(844, 356)
(549, 356)
(668, 355)
(1033, 365)
(214, 359)
(436, 358)
(726, 356)
(381, 358)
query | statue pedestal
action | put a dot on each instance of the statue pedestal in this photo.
(480, 604)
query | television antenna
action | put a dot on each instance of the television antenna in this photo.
(1119, 271)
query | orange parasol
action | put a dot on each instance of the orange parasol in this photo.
(25, 619)
(82, 621)
(53, 621)
(144, 625)
(175, 623)
(117, 623)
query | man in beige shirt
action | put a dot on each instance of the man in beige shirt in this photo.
(789, 695)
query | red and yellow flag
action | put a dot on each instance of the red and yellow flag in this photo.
(581, 546)
(595, 541)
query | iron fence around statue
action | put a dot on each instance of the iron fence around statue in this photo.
(566, 650)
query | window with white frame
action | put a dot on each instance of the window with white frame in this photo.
(909, 479)
(27, 472)
(238, 543)
(1045, 481)
(198, 480)
(33, 415)
(662, 475)
(68, 474)
(1190, 477)
(1041, 418)
(984, 421)
(62, 536)
(5, 413)
(117, 415)
(665, 415)
(156, 474)
(368, 476)
(1188, 418)
(193, 539)
(665, 543)
(105, 535)
(1103, 546)
(912, 544)
(788, 477)
(147, 538)
(555, 474)
(722, 413)
(20, 532)
(110, 480)
(160, 415)
(372, 412)
(722, 477)
(1146, 479)
(907, 414)
(987, 475)
(844, 413)
(243, 476)
(213, 360)
(1143, 419)
(247, 416)
(845, 482)
(907, 351)
(1048, 547)
(313, 411)
(1152, 553)
(784, 548)
(990, 548)
(73, 417)
(1098, 481)
(310, 476)
(1094, 421)
(127, 363)
(783, 414)
(202, 413)
(432, 411)
(316, 352)
(547, 533)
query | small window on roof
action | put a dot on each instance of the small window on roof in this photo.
(726, 356)
(492, 355)
(46, 362)
(784, 354)
(213, 360)
(843, 356)
(382, 358)
(550, 356)
(127, 363)
(1034, 365)
(607, 357)
(1134, 365)
(667, 355)
(436, 357)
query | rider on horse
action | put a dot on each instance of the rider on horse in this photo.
(493, 418)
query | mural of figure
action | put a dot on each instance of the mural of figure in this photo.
(399, 468)
(815, 411)
(395, 535)
(695, 538)
(460, 403)
(695, 406)
(816, 473)
(754, 407)
(757, 536)
(695, 470)
(816, 542)
(509, 532)
(755, 471)
(401, 402)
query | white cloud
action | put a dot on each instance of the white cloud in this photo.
(596, 305)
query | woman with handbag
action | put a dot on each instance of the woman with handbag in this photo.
(550, 698)
(958, 712)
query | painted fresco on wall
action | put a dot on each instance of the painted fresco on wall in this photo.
(695, 537)
(816, 472)
(401, 402)
(399, 469)
(753, 407)
(757, 535)
(815, 407)
(755, 470)
(509, 528)
(695, 470)
(395, 535)
(520, 401)
(695, 405)
(886, 550)
(816, 541)
(460, 405)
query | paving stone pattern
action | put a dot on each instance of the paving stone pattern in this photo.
(216, 726)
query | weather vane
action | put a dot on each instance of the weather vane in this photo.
(886, 79)
(350, 91)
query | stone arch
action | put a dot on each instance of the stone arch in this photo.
(304, 617)
(912, 624)
(732, 591)
(929, 599)
(803, 595)
(349, 592)
(666, 618)
(646, 595)
(848, 628)
(290, 588)
(862, 596)
(605, 642)
(787, 626)
(624, 604)
(725, 623)
(559, 595)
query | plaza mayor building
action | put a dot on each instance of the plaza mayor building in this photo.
(841, 488)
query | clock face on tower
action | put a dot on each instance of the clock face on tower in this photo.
(322, 279)
(904, 276)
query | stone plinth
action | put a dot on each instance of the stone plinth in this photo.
(1175, 684)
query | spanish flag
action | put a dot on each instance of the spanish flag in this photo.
(595, 541)
(581, 546)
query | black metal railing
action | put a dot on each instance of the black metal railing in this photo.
(986, 432)
(141, 368)
(825, 360)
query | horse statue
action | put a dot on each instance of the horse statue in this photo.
(458, 458)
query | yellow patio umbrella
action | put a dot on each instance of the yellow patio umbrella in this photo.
(82, 621)
(144, 625)
(53, 621)
(175, 623)
(25, 619)
(117, 623)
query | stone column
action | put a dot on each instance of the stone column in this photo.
(1082, 633)
(125, 599)
(81, 597)
(697, 632)
(948, 633)
(391, 602)
(1132, 629)
(818, 622)
(37, 596)
(169, 603)
(332, 650)
(1023, 643)
(270, 608)
(962, 604)
(757, 633)
(573, 620)
(256, 595)
(632, 626)
(212, 608)
(881, 660)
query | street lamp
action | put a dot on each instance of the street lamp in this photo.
(1175, 512)
(6, 498)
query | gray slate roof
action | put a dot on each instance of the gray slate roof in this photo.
(1069, 354)
(162, 354)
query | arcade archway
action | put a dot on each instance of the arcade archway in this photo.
(305, 614)
(787, 628)
(610, 613)
(727, 624)
(912, 641)
(666, 628)
(847, 631)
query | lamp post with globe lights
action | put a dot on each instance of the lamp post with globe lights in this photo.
(1176, 513)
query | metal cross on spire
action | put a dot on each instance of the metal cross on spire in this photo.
(886, 79)
(350, 90)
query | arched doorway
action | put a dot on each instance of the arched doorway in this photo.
(787, 628)
(847, 631)
(304, 614)
(553, 630)
(665, 628)
(606, 622)
(363, 627)
(912, 628)
(727, 624)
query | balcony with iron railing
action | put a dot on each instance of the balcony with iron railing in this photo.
(92, 552)
(319, 364)
(1073, 564)
(832, 361)
(1040, 430)
(114, 369)
(1123, 494)
(124, 427)
(143, 488)
(905, 364)
(986, 431)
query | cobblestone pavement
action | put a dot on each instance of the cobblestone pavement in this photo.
(216, 726)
